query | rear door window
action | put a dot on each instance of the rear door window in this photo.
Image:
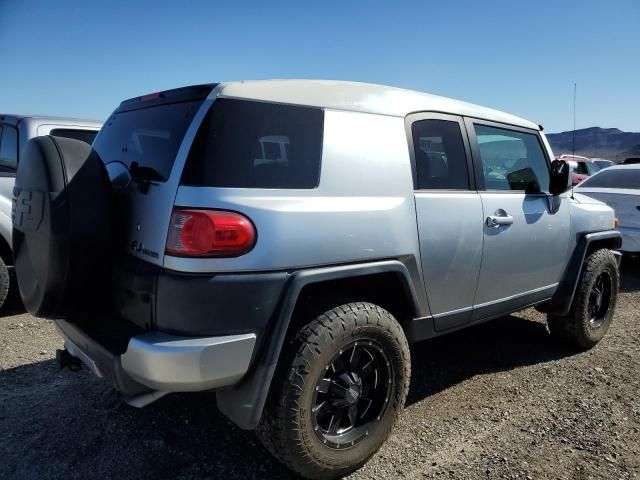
(86, 136)
(512, 160)
(8, 148)
(246, 144)
(441, 161)
(149, 137)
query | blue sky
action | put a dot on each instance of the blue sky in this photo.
(81, 58)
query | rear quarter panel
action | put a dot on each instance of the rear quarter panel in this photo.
(363, 208)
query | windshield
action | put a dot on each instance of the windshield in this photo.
(614, 178)
(150, 137)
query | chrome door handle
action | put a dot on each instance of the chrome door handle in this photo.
(495, 221)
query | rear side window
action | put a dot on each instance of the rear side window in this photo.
(441, 161)
(614, 178)
(149, 136)
(8, 148)
(86, 136)
(244, 144)
(512, 160)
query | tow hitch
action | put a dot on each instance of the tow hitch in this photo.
(65, 360)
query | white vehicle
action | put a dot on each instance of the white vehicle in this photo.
(619, 187)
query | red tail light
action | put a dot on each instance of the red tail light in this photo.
(209, 233)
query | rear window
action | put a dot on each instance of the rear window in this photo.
(245, 144)
(614, 178)
(86, 136)
(148, 136)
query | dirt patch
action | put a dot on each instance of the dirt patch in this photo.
(501, 400)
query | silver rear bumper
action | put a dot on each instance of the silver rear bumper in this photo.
(164, 363)
(169, 363)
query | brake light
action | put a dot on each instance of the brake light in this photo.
(150, 96)
(209, 233)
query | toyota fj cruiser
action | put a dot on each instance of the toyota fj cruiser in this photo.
(282, 242)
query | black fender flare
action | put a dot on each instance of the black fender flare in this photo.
(562, 299)
(244, 402)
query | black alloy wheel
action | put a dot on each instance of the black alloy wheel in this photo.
(352, 395)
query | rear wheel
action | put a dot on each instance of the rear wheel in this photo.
(5, 282)
(594, 303)
(342, 382)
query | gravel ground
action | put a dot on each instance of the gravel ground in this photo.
(501, 400)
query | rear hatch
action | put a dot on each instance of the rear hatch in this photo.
(141, 143)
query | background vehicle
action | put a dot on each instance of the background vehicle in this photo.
(282, 242)
(603, 163)
(632, 161)
(15, 132)
(583, 167)
(619, 187)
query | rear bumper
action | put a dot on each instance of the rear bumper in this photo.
(156, 361)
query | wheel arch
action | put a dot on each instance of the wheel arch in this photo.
(243, 403)
(561, 302)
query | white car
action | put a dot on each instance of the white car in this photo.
(619, 187)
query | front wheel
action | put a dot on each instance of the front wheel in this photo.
(594, 302)
(341, 384)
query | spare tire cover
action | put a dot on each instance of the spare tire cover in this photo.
(62, 228)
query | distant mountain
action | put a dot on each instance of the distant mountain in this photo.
(610, 143)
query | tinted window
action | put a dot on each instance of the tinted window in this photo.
(512, 160)
(149, 136)
(441, 162)
(246, 144)
(86, 136)
(614, 178)
(8, 146)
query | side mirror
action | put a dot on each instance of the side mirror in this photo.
(560, 177)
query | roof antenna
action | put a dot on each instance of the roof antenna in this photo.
(573, 140)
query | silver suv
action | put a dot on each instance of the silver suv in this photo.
(15, 132)
(283, 242)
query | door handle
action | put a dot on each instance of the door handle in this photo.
(498, 219)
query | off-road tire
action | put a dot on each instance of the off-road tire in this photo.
(286, 428)
(575, 327)
(5, 282)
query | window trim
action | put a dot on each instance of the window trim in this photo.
(470, 123)
(9, 165)
(420, 116)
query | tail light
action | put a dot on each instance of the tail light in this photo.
(209, 233)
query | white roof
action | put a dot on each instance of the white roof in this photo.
(14, 119)
(361, 97)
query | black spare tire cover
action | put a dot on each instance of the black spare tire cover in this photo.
(62, 228)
